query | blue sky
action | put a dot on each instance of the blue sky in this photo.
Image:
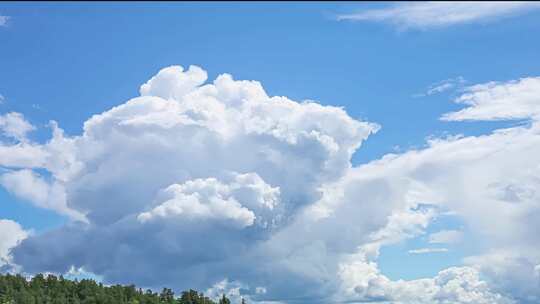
(69, 61)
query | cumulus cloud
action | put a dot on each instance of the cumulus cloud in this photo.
(424, 15)
(20, 156)
(468, 175)
(456, 174)
(11, 234)
(173, 83)
(183, 161)
(209, 198)
(29, 186)
(15, 126)
(511, 271)
(363, 282)
(269, 181)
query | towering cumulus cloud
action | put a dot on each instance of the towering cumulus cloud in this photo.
(220, 186)
(152, 181)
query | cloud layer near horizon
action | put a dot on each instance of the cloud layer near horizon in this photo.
(269, 181)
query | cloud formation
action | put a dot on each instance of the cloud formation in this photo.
(14, 125)
(182, 161)
(425, 15)
(469, 175)
(446, 237)
(4, 20)
(365, 283)
(270, 182)
(11, 234)
(518, 99)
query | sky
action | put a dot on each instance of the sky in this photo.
(319, 152)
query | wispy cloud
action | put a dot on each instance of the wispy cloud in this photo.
(2, 98)
(4, 20)
(446, 237)
(423, 15)
(517, 99)
(443, 86)
(427, 250)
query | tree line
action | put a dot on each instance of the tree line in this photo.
(50, 289)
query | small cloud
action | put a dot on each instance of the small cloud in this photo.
(80, 274)
(2, 98)
(424, 15)
(443, 86)
(4, 20)
(446, 237)
(14, 125)
(427, 250)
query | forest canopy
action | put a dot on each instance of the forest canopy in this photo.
(50, 289)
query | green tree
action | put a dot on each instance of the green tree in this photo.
(16, 289)
(224, 300)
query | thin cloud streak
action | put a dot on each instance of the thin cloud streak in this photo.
(425, 15)
(427, 250)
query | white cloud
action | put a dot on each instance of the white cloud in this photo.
(465, 175)
(363, 282)
(15, 126)
(211, 199)
(427, 250)
(2, 99)
(446, 237)
(269, 181)
(425, 15)
(28, 185)
(4, 20)
(227, 288)
(11, 234)
(469, 175)
(173, 83)
(511, 271)
(500, 101)
(183, 162)
(22, 155)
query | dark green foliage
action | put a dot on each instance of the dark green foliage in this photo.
(15, 289)
(224, 300)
